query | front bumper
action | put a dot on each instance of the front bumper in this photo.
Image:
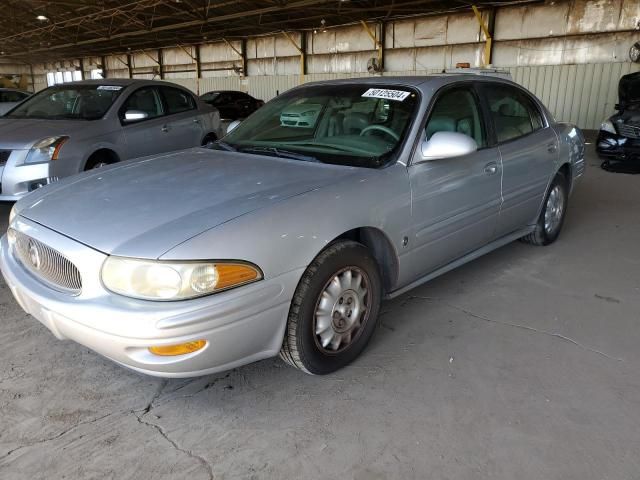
(240, 326)
(617, 147)
(17, 179)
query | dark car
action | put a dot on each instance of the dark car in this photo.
(619, 136)
(232, 104)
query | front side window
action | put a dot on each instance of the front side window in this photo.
(514, 114)
(357, 125)
(82, 102)
(144, 100)
(457, 110)
(177, 100)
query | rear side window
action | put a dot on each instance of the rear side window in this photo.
(144, 100)
(457, 110)
(177, 100)
(12, 96)
(513, 112)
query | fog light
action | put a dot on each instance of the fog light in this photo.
(180, 349)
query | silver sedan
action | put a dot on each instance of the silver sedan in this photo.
(285, 236)
(78, 126)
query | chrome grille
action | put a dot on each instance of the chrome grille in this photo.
(46, 264)
(629, 131)
(4, 156)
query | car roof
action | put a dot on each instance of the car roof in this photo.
(9, 89)
(124, 82)
(422, 81)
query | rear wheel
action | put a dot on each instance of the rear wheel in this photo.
(334, 310)
(553, 213)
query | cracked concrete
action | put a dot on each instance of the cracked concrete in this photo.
(523, 364)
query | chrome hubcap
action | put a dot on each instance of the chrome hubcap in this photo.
(342, 309)
(554, 210)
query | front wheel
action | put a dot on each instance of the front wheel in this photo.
(334, 310)
(553, 213)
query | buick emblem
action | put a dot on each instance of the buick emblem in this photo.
(34, 255)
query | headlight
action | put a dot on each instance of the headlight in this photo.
(607, 126)
(45, 150)
(12, 214)
(158, 280)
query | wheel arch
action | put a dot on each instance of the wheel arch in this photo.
(108, 152)
(382, 249)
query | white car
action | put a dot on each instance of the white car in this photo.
(303, 115)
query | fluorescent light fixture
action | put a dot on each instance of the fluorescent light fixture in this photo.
(42, 18)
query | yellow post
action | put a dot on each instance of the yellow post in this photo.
(376, 43)
(487, 45)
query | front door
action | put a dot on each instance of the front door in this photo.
(183, 123)
(455, 201)
(150, 135)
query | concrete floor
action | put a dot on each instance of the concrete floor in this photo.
(524, 364)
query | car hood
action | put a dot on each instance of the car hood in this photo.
(22, 133)
(145, 207)
(629, 89)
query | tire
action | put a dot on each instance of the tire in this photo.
(552, 215)
(331, 320)
(98, 161)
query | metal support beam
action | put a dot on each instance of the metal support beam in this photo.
(160, 64)
(243, 46)
(103, 60)
(377, 43)
(240, 53)
(488, 33)
(33, 79)
(82, 75)
(301, 51)
(129, 65)
(198, 68)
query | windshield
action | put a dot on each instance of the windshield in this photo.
(85, 102)
(357, 125)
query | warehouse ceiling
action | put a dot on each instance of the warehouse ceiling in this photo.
(48, 30)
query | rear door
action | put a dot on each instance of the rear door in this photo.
(455, 201)
(529, 149)
(184, 125)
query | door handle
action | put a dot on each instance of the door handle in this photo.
(552, 148)
(165, 128)
(491, 168)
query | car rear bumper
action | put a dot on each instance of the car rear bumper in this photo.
(240, 326)
(617, 147)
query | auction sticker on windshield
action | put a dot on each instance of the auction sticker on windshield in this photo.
(397, 95)
(110, 87)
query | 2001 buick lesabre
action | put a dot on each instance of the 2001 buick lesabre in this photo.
(285, 237)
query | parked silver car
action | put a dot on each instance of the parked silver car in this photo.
(284, 239)
(77, 126)
(10, 97)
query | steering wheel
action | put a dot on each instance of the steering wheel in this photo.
(383, 129)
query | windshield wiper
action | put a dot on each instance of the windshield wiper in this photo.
(225, 146)
(280, 153)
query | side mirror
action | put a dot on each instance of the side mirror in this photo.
(232, 126)
(135, 115)
(447, 145)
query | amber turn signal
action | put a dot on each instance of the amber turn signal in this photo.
(180, 349)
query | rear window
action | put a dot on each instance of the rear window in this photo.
(514, 114)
